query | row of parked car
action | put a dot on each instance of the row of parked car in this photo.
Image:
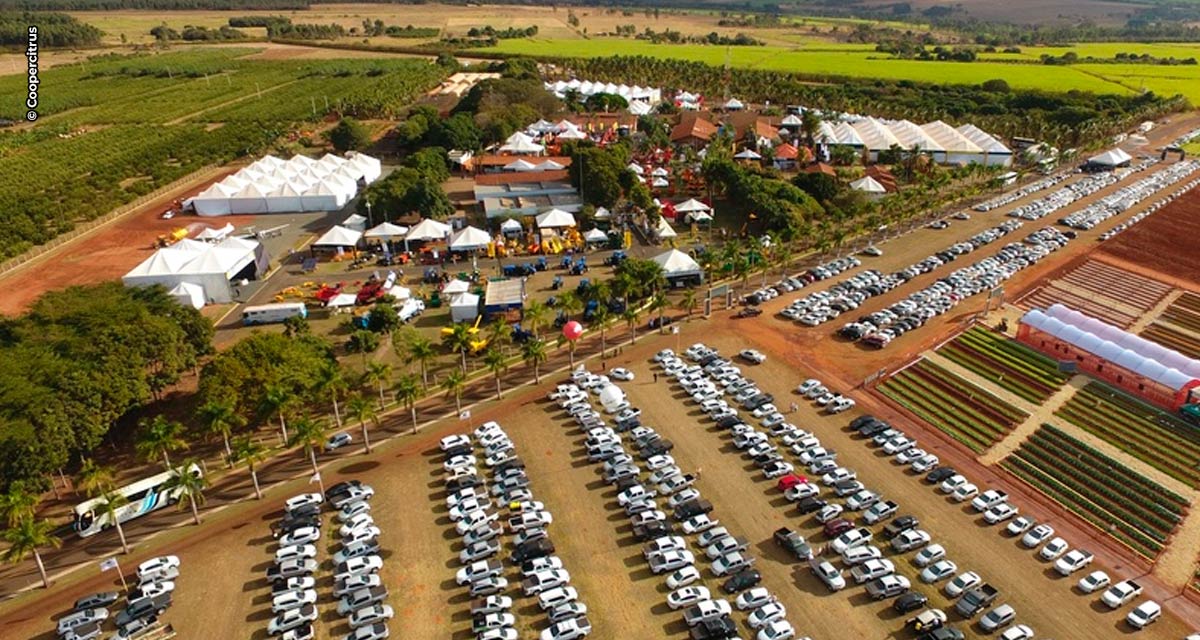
(941, 296)
(1129, 196)
(144, 605)
(1077, 190)
(1010, 197)
(787, 285)
(1154, 206)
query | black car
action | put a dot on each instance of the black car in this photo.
(910, 601)
(96, 600)
(464, 482)
(945, 633)
(728, 421)
(143, 608)
(344, 487)
(656, 448)
(939, 474)
(810, 505)
(692, 508)
(460, 450)
(657, 322)
(511, 463)
(304, 511)
(531, 549)
(899, 525)
(741, 581)
(651, 530)
(748, 312)
(757, 401)
(717, 629)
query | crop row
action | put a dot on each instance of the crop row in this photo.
(1168, 336)
(1172, 502)
(1010, 365)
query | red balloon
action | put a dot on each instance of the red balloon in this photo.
(572, 330)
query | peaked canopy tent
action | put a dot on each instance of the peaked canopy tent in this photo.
(385, 232)
(691, 205)
(521, 165)
(211, 269)
(470, 239)
(188, 294)
(355, 222)
(660, 172)
(521, 143)
(272, 185)
(595, 236)
(869, 186)
(664, 229)
(339, 236)
(464, 307)
(747, 154)
(733, 104)
(428, 230)
(1110, 159)
(511, 226)
(555, 219)
(455, 287)
(679, 268)
(636, 168)
(209, 234)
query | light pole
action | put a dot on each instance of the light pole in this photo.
(370, 220)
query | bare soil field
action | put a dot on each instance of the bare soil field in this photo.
(1162, 244)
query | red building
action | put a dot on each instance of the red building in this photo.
(1143, 368)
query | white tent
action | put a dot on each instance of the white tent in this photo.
(676, 263)
(271, 185)
(385, 231)
(747, 154)
(733, 104)
(572, 134)
(188, 294)
(521, 143)
(211, 269)
(550, 165)
(541, 126)
(464, 307)
(602, 214)
(660, 183)
(428, 229)
(355, 222)
(286, 197)
(697, 216)
(511, 225)
(1110, 158)
(215, 235)
(868, 184)
(665, 230)
(342, 300)
(791, 120)
(251, 199)
(470, 238)
(456, 286)
(399, 293)
(690, 205)
(660, 172)
(339, 236)
(595, 235)
(639, 108)
(321, 197)
(636, 168)
(520, 165)
(555, 218)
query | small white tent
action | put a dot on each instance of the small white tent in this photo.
(428, 229)
(511, 226)
(188, 294)
(691, 205)
(455, 287)
(555, 218)
(355, 222)
(664, 229)
(677, 263)
(1110, 158)
(747, 154)
(868, 185)
(595, 235)
(339, 236)
(209, 234)
(385, 231)
(464, 307)
(521, 165)
(733, 104)
(470, 238)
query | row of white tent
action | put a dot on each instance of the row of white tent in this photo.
(274, 185)
(952, 145)
(563, 130)
(207, 268)
(587, 88)
(430, 230)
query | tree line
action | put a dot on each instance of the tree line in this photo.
(54, 30)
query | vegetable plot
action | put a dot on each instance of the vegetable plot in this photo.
(968, 414)
(1011, 365)
(1120, 502)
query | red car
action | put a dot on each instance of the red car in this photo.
(837, 527)
(790, 480)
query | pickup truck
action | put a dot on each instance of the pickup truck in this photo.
(1121, 593)
(976, 600)
(899, 526)
(692, 508)
(793, 543)
(880, 511)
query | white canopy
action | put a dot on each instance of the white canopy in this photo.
(464, 307)
(660, 182)
(690, 205)
(400, 293)
(210, 233)
(188, 294)
(868, 184)
(470, 238)
(734, 104)
(602, 214)
(697, 216)
(665, 230)
(791, 120)
(520, 165)
(428, 229)
(521, 143)
(386, 231)
(636, 168)
(342, 300)
(511, 225)
(677, 263)
(355, 222)
(660, 172)
(541, 126)
(271, 185)
(748, 154)
(1111, 158)
(339, 236)
(550, 165)
(555, 218)
(456, 286)
(209, 269)
(572, 134)
(595, 235)
(639, 108)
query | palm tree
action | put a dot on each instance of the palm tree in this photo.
(600, 319)
(453, 386)
(459, 339)
(110, 503)
(499, 335)
(536, 315)
(569, 304)
(190, 487)
(497, 364)
(246, 450)
(407, 393)
(93, 478)
(330, 380)
(277, 400)
(421, 350)
(659, 303)
(362, 410)
(534, 353)
(310, 434)
(630, 316)
(378, 373)
(27, 537)
(159, 437)
(17, 504)
(219, 416)
(689, 302)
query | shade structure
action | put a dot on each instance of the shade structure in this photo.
(690, 205)
(660, 183)
(541, 126)
(215, 235)
(660, 172)
(733, 104)
(520, 165)
(271, 185)
(676, 263)
(355, 222)
(550, 165)
(521, 143)
(211, 268)
(602, 214)
(868, 185)
(510, 225)
(572, 134)
(748, 154)
(188, 294)
(636, 168)
(339, 236)
(428, 229)
(640, 108)
(386, 231)
(470, 238)
(455, 287)
(791, 120)
(698, 216)
(595, 235)
(665, 230)
(1110, 158)
(555, 218)
(342, 300)
(464, 307)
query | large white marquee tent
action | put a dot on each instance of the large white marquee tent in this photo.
(946, 144)
(201, 271)
(274, 185)
(585, 88)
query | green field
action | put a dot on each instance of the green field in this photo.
(861, 61)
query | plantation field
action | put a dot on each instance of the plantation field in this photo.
(1159, 439)
(1011, 365)
(1126, 505)
(968, 414)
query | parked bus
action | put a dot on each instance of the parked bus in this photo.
(269, 313)
(142, 497)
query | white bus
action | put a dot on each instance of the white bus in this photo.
(143, 497)
(268, 313)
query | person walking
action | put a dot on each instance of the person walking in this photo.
(655, 378)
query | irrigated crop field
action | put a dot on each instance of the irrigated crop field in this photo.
(966, 413)
(1117, 500)
(1102, 291)
(1010, 365)
(1179, 326)
(1145, 432)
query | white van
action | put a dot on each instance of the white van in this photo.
(270, 313)
(410, 309)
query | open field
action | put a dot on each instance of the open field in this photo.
(972, 416)
(1119, 501)
(1103, 291)
(1162, 244)
(1009, 364)
(1159, 439)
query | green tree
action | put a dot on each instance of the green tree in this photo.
(189, 487)
(569, 304)
(600, 319)
(378, 374)
(421, 350)
(247, 451)
(534, 354)
(309, 434)
(689, 301)
(330, 381)
(364, 343)
(219, 417)
(17, 503)
(159, 437)
(453, 386)
(383, 319)
(630, 316)
(459, 340)
(296, 326)
(110, 503)
(497, 364)
(26, 538)
(659, 304)
(278, 400)
(536, 315)
(407, 393)
(349, 134)
(97, 481)
(363, 411)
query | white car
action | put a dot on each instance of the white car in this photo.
(622, 374)
(699, 524)
(354, 583)
(925, 463)
(654, 463)
(777, 630)
(964, 492)
(1144, 615)
(752, 356)
(766, 614)
(156, 565)
(753, 599)
(938, 571)
(840, 404)
(706, 610)
(953, 482)
(683, 577)
(296, 551)
(454, 441)
(1093, 582)
(930, 555)
(338, 440)
(962, 583)
(1054, 549)
(1017, 632)
(808, 385)
(909, 540)
(557, 596)
(670, 561)
(1020, 525)
(1037, 536)
(1000, 513)
(459, 462)
(988, 499)
(687, 596)
(302, 500)
(1073, 561)
(731, 563)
